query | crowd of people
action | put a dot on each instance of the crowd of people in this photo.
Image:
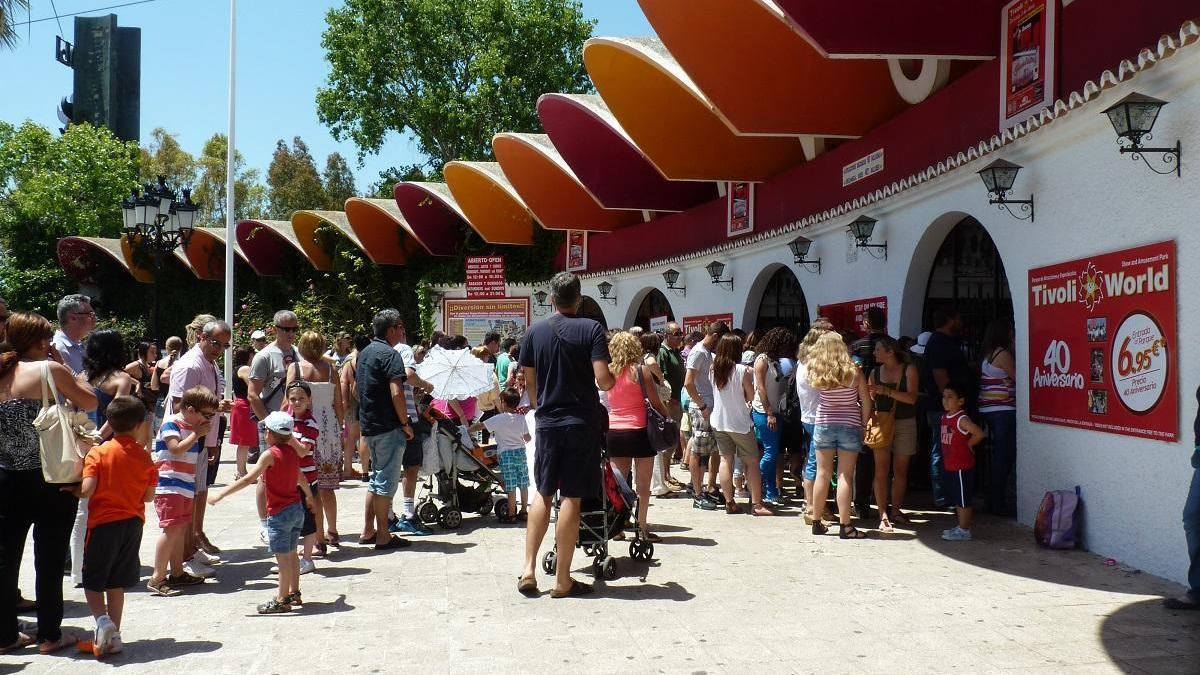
(741, 413)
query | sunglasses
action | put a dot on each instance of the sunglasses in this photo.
(288, 329)
(677, 333)
(218, 343)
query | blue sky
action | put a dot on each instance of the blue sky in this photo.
(185, 64)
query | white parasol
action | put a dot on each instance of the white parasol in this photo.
(455, 373)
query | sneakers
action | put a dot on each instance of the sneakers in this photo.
(274, 606)
(205, 558)
(198, 569)
(294, 599)
(114, 645)
(956, 534)
(307, 566)
(410, 526)
(715, 497)
(704, 503)
(105, 629)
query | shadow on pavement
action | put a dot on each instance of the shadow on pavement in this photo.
(1002, 545)
(688, 541)
(419, 545)
(149, 651)
(331, 570)
(337, 606)
(668, 591)
(1146, 637)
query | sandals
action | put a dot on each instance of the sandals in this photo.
(848, 531)
(334, 540)
(819, 527)
(732, 508)
(294, 599)
(522, 516)
(366, 539)
(23, 641)
(59, 644)
(885, 526)
(162, 588)
(274, 606)
(898, 516)
(762, 510)
(321, 549)
(527, 586)
(578, 588)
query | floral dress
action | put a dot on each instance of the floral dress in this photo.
(328, 452)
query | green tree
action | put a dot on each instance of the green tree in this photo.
(338, 182)
(53, 186)
(451, 73)
(384, 187)
(250, 196)
(293, 180)
(8, 19)
(164, 157)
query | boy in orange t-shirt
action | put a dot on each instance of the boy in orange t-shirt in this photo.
(119, 478)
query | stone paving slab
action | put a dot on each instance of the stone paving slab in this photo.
(725, 594)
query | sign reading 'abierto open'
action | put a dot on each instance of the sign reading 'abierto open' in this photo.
(1102, 343)
(485, 276)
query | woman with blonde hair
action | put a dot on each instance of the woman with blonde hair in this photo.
(628, 444)
(843, 408)
(328, 412)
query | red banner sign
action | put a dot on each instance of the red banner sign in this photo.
(1027, 52)
(485, 276)
(739, 209)
(576, 250)
(1102, 342)
(847, 317)
(694, 323)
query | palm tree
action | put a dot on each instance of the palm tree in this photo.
(8, 29)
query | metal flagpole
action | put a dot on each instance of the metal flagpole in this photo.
(230, 219)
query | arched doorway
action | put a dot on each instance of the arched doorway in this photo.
(654, 304)
(782, 304)
(590, 309)
(969, 275)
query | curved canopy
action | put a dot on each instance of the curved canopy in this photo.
(491, 204)
(962, 29)
(766, 78)
(306, 223)
(607, 161)
(205, 253)
(266, 242)
(550, 188)
(378, 223)
(673, 123)
(432, 214)
(84, 258)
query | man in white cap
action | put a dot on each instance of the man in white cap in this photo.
(259, 340)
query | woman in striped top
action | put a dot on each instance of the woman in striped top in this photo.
(998, 405)
(842, 412)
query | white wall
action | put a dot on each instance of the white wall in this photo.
(1089, 199)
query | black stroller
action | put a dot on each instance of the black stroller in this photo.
(600, 519)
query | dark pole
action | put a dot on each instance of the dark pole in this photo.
(158, 246)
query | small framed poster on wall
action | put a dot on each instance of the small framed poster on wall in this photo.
(1028, 68)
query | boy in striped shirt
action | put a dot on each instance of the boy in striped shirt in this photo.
(177, 448)
(306, 433)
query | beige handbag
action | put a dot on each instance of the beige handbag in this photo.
(64, 434)
(881, 428)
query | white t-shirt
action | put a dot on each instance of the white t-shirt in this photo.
(810, 398)
(510, 430)
(730, 412)
(700, 360)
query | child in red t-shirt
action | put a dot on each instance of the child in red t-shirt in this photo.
(959, 435)
(118, 478)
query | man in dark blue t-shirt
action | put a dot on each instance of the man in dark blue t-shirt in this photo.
(565, 359)
(944, 362)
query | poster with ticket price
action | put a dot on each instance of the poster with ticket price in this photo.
(1103, 341)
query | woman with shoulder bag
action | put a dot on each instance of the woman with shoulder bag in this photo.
(26, 499)
(662, 484)
(628, 442)
(894, 390)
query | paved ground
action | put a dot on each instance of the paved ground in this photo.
(726, 594)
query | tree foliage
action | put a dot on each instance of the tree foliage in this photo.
(450, 72)
(250, 196)
(338, 182)
(164, 157)
(293, 180)
(8, 17)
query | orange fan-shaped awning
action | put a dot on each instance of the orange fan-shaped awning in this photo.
(766, 78)
(672, 121)
(550, 189)
(386, 237)
(491, 204)
(205, 253)
(306, 224)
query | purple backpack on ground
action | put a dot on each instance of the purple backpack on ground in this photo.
(1056, 525)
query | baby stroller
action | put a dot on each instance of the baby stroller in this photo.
(600, 519)
(464, 482)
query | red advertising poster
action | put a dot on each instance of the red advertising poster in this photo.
(576, 250)
(739, 209)
(693, 323)
(1102, 342)
(485, 276)
(847, 317)
(1027, 66)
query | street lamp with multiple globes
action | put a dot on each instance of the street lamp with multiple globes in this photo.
(157, 224)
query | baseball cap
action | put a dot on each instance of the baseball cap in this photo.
(279, 422)
(922, 340)
(258, 335)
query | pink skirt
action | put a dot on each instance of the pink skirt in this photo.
(243, 430)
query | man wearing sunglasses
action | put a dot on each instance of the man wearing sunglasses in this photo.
(76, 320)
(266, 393)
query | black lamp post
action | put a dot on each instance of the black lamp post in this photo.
(605, 288)
(998, 177)
(1133, 119)
(800, 247)
(715, 269)
(156, 224)
(861, 229)
(671, 276)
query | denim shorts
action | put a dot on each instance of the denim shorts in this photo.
(283, 529)
(810, 462)
(842, 437)
(387, 459)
